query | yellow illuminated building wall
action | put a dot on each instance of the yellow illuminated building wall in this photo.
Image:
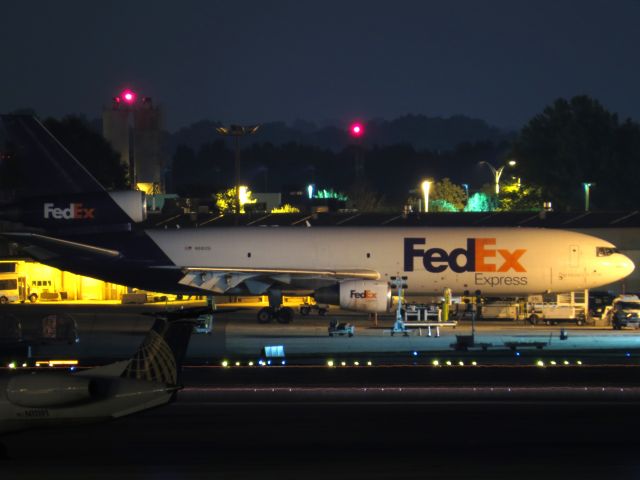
(52, 284)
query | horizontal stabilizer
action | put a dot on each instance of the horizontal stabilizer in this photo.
(59, 245)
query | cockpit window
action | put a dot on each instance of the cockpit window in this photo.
(605, 251)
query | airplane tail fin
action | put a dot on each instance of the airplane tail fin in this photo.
(50, 188)
(43, 165)
(159, 358)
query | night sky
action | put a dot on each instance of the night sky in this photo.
(254, 61)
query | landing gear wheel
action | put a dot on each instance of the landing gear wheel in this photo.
(284, 315)
(304, 311)
(265, 315)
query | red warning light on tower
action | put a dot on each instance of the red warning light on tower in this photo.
(356, 130)
(128, 96)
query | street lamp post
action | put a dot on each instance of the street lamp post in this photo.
(587, 187)
(356, 130)
(497, 172)
(426, 187)
(237, 131)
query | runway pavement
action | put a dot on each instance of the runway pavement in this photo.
(200, 436)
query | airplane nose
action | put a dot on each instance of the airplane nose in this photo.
(624, 265)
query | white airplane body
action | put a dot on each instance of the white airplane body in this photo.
(496, 261)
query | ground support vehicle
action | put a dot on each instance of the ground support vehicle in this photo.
(500, 310)
(624, 312)
(566, 307)
(319, 308)
(554, 314)
(337, 329)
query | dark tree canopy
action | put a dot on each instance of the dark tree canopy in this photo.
(91, 149)
(575, 141)
(202, 173)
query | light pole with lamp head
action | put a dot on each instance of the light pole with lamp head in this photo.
(237, 131)
(497, 172)
(426, 188)
(587, 187)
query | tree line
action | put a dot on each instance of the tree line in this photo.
(571, 142)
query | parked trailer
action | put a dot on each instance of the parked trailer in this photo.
(552, 309)
(500, 310)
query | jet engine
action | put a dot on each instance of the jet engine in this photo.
(359, 295)
(44, 391)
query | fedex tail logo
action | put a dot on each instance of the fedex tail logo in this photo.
(75, 211)
(479, 256)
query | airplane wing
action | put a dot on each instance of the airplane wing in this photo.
(258, 280)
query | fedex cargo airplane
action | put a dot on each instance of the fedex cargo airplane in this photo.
(76, 225)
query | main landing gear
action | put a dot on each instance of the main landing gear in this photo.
(275, 310)
(282, 315)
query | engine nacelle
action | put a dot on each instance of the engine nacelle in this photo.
(44, 391)
(133, 203)
(359, 295)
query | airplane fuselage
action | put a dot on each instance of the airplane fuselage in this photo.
(496, 261)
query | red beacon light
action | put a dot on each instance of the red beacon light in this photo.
(356, 130)
(128, 96)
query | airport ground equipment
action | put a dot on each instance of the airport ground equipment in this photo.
(340, 329)
(308, 308)
(399, 283)
(424, 316)
(554, 314)
(414, 312)
(624, 312)
(503, 310)
(518, 345)
(429, 326)
(563, 307)
(598, 302)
